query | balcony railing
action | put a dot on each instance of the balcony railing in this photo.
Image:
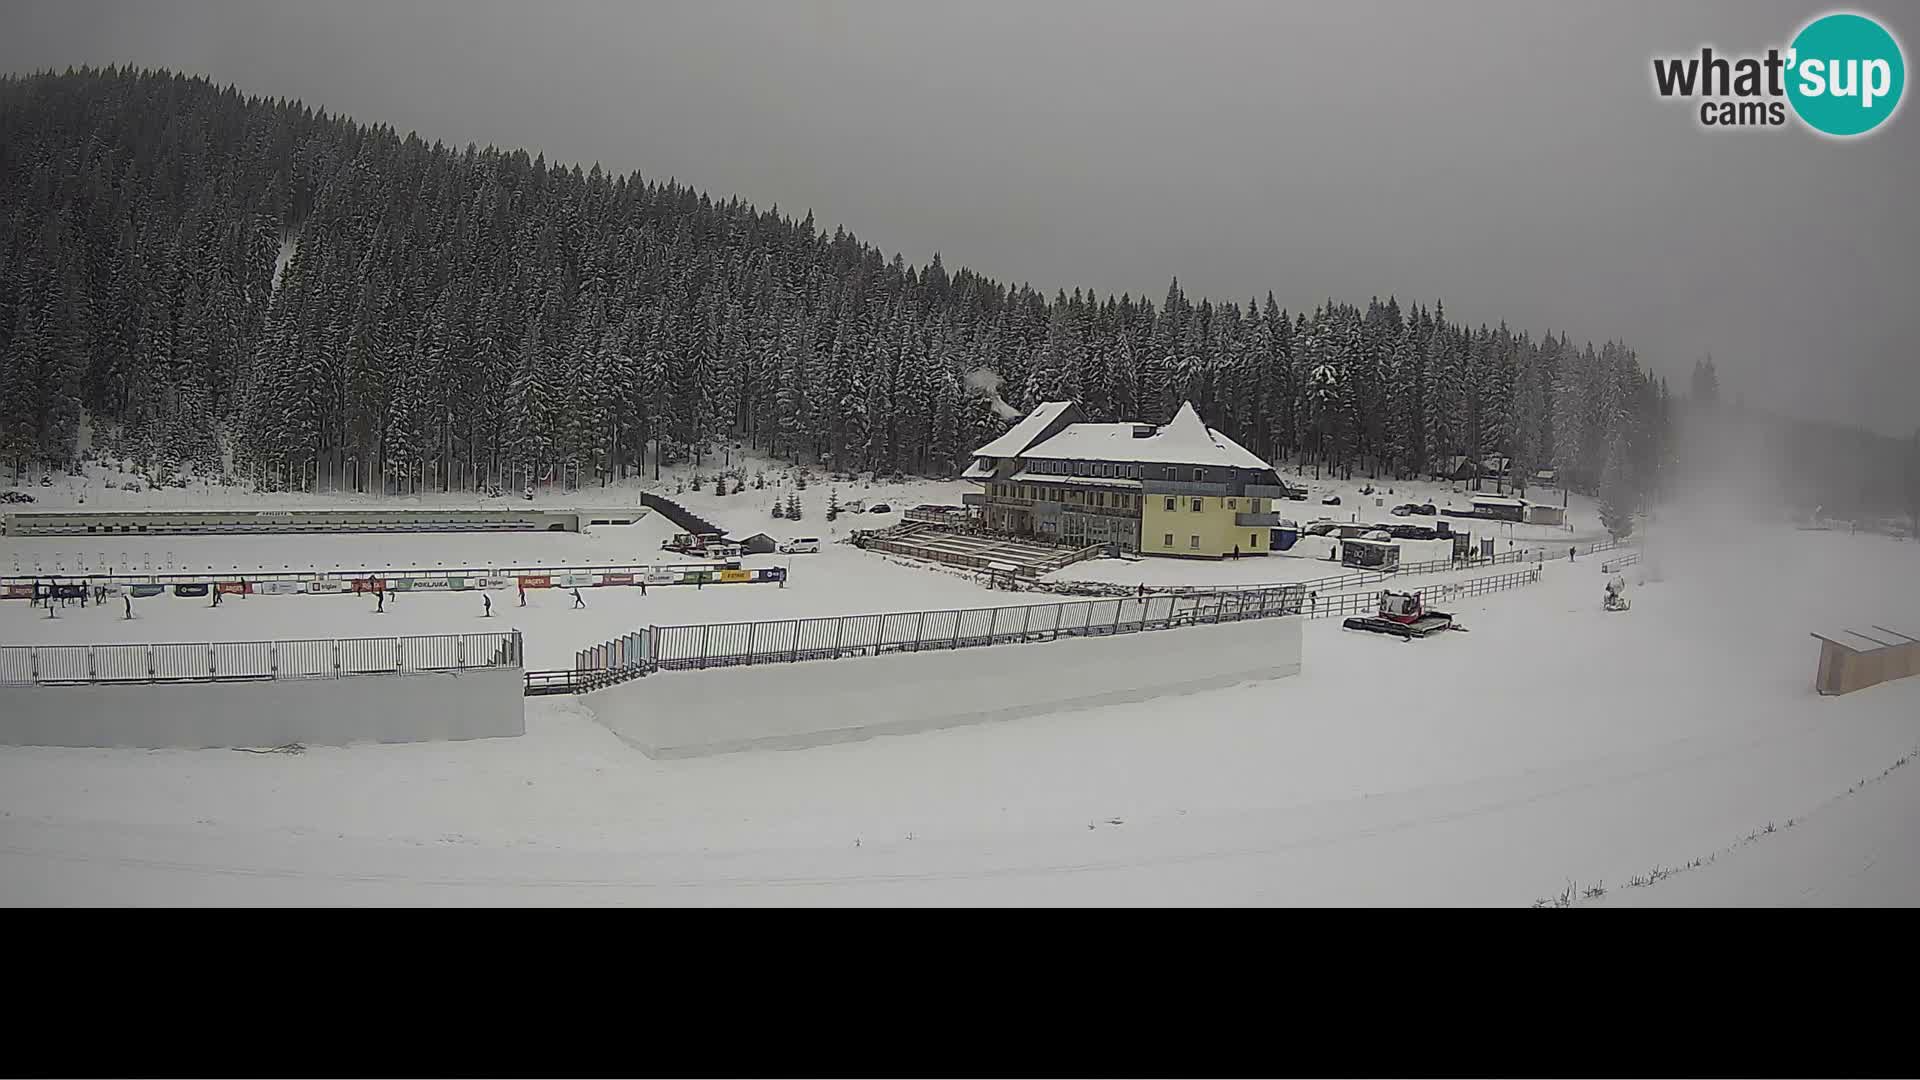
(1181, 487)
(1266, 520)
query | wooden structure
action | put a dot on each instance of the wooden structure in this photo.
(1851, 660)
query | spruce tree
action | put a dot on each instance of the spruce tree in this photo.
(1616, 494)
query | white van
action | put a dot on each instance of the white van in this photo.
(797, 545)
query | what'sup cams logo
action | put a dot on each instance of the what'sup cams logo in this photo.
(1842, 76)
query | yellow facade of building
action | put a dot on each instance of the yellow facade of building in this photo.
(1200, 526)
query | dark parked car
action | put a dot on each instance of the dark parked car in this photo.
(1406, 508)
(879, 508)
(1331, 500)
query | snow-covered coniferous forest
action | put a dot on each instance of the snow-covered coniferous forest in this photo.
(227, 285)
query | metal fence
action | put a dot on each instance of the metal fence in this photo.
(217, 661)
(670, 648)
(1628, 559)
(1332, 583)
(1321, 607)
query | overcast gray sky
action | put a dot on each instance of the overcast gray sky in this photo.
(1509, 158)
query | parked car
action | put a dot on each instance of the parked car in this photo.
(1331, 500)
(880, 508)
(1406, 508)
(799, 545)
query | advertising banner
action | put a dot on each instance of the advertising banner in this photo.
(196, 588)
(493, 583)
(616, 579)
(232, 588)
(277, 588)
(572, 581)
(148, 590)
(538, 581)
(19, 592)
(736, 575)
(663, 577)
(424, 584)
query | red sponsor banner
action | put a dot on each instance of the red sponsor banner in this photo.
(18, 592)
(541, 581)
(369, 584)
(232, 587)
(616, 579)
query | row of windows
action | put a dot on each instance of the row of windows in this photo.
(1119, 469)
(1118, 499)
(1193, 541)
(1232, 504)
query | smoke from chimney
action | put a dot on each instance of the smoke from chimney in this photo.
(986, 382)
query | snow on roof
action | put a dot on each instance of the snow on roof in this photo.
(1017, 437)
(1184, 440)
(1497, 500)
(976, 471)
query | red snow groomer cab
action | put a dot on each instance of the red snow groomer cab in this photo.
(1404, 616)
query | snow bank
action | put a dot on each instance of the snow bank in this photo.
(790, 706)
(422, 707)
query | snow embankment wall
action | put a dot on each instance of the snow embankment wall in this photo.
(414, 707)
(815, 703)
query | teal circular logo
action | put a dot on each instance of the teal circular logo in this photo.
(1845, 74)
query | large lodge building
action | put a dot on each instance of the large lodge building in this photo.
(1179, 489)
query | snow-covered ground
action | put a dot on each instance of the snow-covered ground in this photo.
(1554, 743)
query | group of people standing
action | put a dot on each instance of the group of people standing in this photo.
(54, 593)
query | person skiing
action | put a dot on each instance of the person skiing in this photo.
(128, 597)
(380, 601)
(489, 602)
(216, 595)
(523, 594)
(577, 602)
(1569, 553)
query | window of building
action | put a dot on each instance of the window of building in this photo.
(1193, 542)
(1232, 504)
(1199, 476)
(1196, 506)
(1169, 509)
(1167, 541)
(1253, 541)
